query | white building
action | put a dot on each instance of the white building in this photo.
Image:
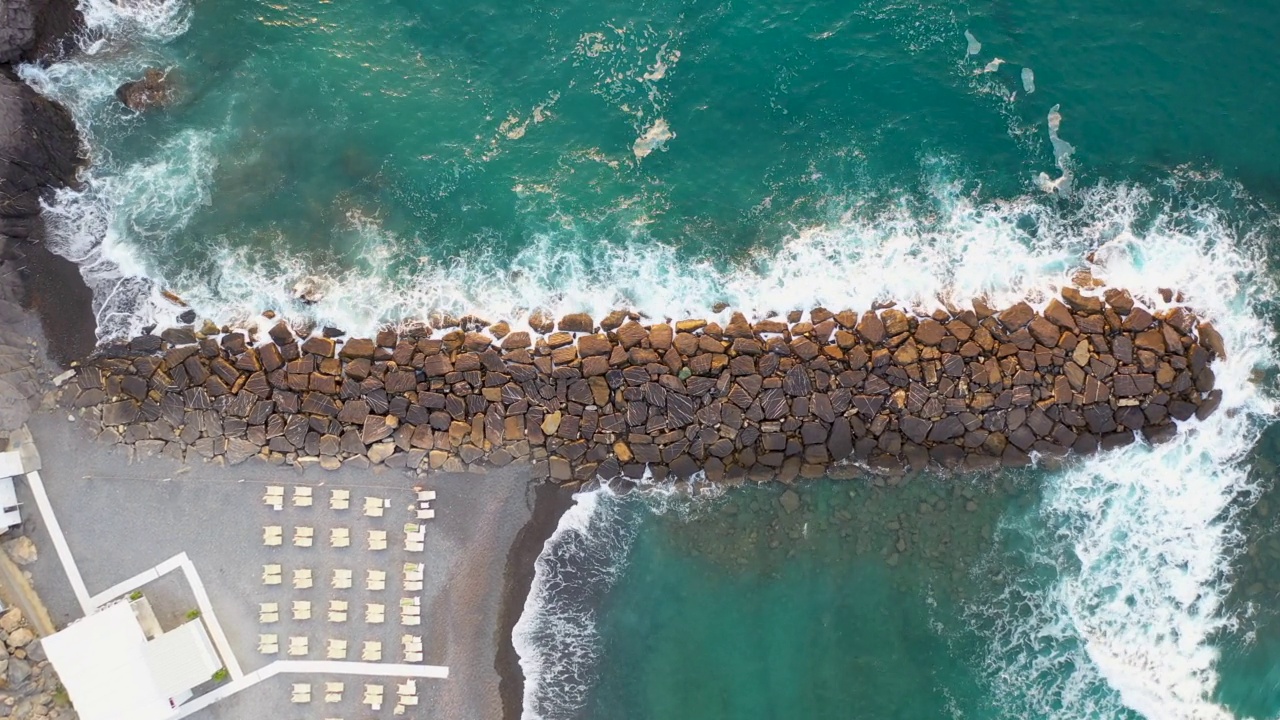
(113, 669)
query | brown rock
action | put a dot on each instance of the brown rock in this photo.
(356, 348)
(871, 328)
(1150, 340)
(1138, 319)
(1044, 331)
(929, 332)
(589, 345)
(1017, 316)
(1119, 300)
(319, 345)
(516, 341)
(1080, 302)
(153, 90)
(541, 322)
(660, 336)
(1211, 339)
(690, 325)
(576, 322)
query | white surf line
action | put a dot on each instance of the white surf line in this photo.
(60, 543)
(180, 562)
(329, 667)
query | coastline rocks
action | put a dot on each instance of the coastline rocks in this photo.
(152, 90)
(39, 153)
(36, 29)
(885, 391)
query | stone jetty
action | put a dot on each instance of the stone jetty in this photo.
(807, 395)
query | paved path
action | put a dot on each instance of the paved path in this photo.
(60, 543)
(239, 680)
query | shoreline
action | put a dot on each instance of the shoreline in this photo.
(549, 504)
(40, 152)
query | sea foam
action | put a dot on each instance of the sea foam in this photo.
(1139, 543)
(1123, 591)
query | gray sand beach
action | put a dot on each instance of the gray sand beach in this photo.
(121, 518)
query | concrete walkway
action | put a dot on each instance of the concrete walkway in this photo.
(240, 680)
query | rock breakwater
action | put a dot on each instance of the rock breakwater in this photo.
(780, 398)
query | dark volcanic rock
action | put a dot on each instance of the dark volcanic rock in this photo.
(39, 153)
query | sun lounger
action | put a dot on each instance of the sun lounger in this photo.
(340, 500)
(341, 579)
(301, 609)
(301, 693)
(268, 644)
(337, 611)
(333, 692)
(372, 651)
(271, 574)
(268, 612)
(336, 650)
(298, 646)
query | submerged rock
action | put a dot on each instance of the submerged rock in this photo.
(152, 90)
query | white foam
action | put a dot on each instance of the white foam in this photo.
(973, 47)
(150, 20)
(1139, 543)
(556, 636)
(1062, 151)
(655, 137)
(113, 227)
(1028, 80)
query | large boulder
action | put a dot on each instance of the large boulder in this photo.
(39, 153)
(153, 90)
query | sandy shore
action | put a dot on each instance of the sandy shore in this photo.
(121, 518)
(550, 502)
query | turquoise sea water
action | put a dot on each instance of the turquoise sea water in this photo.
(494, 157)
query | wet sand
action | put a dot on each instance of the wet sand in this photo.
(56, 292)
(549, 503)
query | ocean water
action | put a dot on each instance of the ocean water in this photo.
(495, 157)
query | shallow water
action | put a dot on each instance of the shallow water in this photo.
(495, 157)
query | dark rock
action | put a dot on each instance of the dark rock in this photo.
(152, 90)
(39, 148)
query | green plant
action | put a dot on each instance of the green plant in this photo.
(135, 595)
(220, 674)
(193, 614)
